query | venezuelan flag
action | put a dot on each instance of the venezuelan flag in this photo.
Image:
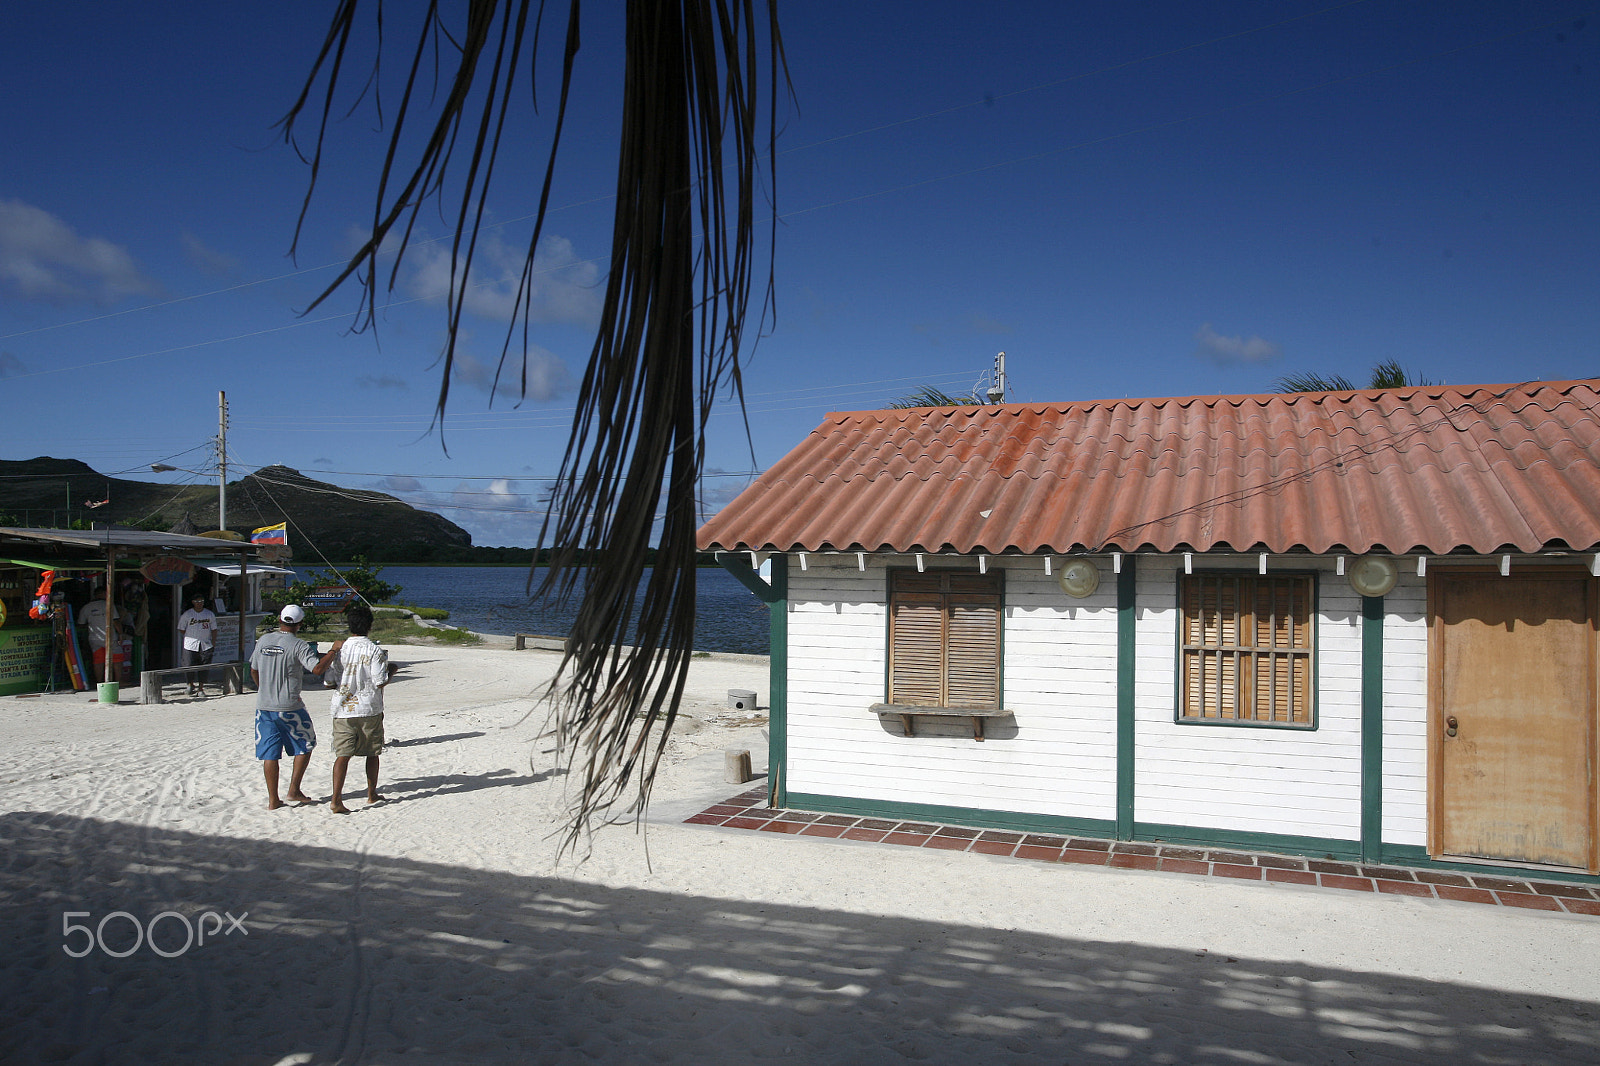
(278, 534)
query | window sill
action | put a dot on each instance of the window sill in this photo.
(907, 713)
(1246, 723)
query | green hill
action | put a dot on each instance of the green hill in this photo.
(338, 522)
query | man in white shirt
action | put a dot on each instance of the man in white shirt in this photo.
(92, 616)
(363, 669)
(199, 628)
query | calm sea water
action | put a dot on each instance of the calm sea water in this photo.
(491, 599)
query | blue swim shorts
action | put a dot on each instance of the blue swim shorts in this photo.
(284, 731)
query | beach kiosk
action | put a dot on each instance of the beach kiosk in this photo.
(47, 575)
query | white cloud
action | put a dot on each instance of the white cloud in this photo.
(395, 484)
(563, 288)
(985, 324)
(1220, 349)
(500, 495)
(719, 487)
(41, 258)
(496, 514)
(383, 381)
(207, 259)
(541, 376)
(499, 530)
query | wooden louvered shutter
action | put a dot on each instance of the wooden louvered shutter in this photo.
(1283, 656)
(944, 639)
(972, 644)
(1247, 647)
(916, 652)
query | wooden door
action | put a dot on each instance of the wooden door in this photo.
(1514, 682)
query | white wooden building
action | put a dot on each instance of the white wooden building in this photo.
(1360, 625)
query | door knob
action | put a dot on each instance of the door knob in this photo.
(1450, 726)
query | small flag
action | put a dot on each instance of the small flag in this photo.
(277, 534)
(97, 503)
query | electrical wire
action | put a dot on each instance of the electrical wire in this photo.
(289, 520)
(1351, 454)
(174, 499)
(491, 477)
(904, 187)
(863, 132)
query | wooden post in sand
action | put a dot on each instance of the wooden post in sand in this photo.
(736, 765)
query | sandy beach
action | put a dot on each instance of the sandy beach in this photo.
(442, 925)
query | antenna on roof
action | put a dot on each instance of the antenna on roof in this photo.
(997, 391)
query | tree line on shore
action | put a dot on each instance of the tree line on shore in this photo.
(454, 555)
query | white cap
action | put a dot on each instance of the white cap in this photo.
(292, 614)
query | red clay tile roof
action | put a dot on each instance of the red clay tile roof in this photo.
(1432, 469)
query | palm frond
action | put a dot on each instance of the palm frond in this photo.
(1309, 382)
(1389, 374)
(929, 396)
(671, 329)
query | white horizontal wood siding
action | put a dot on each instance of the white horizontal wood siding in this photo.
(1056, 757)
(1059, 672)
(1247, 778)
(1405, 709)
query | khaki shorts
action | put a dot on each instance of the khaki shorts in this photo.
(358, 737)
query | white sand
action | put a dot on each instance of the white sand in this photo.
(440, 928)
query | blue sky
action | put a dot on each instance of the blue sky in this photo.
(1129, 199)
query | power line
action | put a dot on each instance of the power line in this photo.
(190, 347)
(1018, 160)
(490, 477)
(467, 422)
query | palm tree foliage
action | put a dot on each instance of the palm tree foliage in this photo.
(671, 325)
(1388, 374)
(930, 396)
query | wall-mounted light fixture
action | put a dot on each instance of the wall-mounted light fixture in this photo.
(1372, 575)
(1078, 578)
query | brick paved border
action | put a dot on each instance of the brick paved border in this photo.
(749, 811)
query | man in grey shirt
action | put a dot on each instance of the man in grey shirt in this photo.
(282, 724)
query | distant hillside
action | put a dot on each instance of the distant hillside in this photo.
(340, 522)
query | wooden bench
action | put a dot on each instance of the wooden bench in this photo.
(150, 681)
(907, 713)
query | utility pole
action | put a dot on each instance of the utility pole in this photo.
(997, 391)
(222, 460)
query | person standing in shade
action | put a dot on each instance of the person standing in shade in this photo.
(92, 616)
(277, 667)
(199, 628)
(363, 670)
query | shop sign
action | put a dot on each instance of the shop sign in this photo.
(226, 646)
(24, 659)
(168, 570)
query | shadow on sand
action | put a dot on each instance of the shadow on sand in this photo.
(442, 739)
(356, 957)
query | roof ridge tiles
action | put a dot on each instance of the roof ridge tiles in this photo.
(1340, 396)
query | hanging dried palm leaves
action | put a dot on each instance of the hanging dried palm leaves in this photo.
(670, 332)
